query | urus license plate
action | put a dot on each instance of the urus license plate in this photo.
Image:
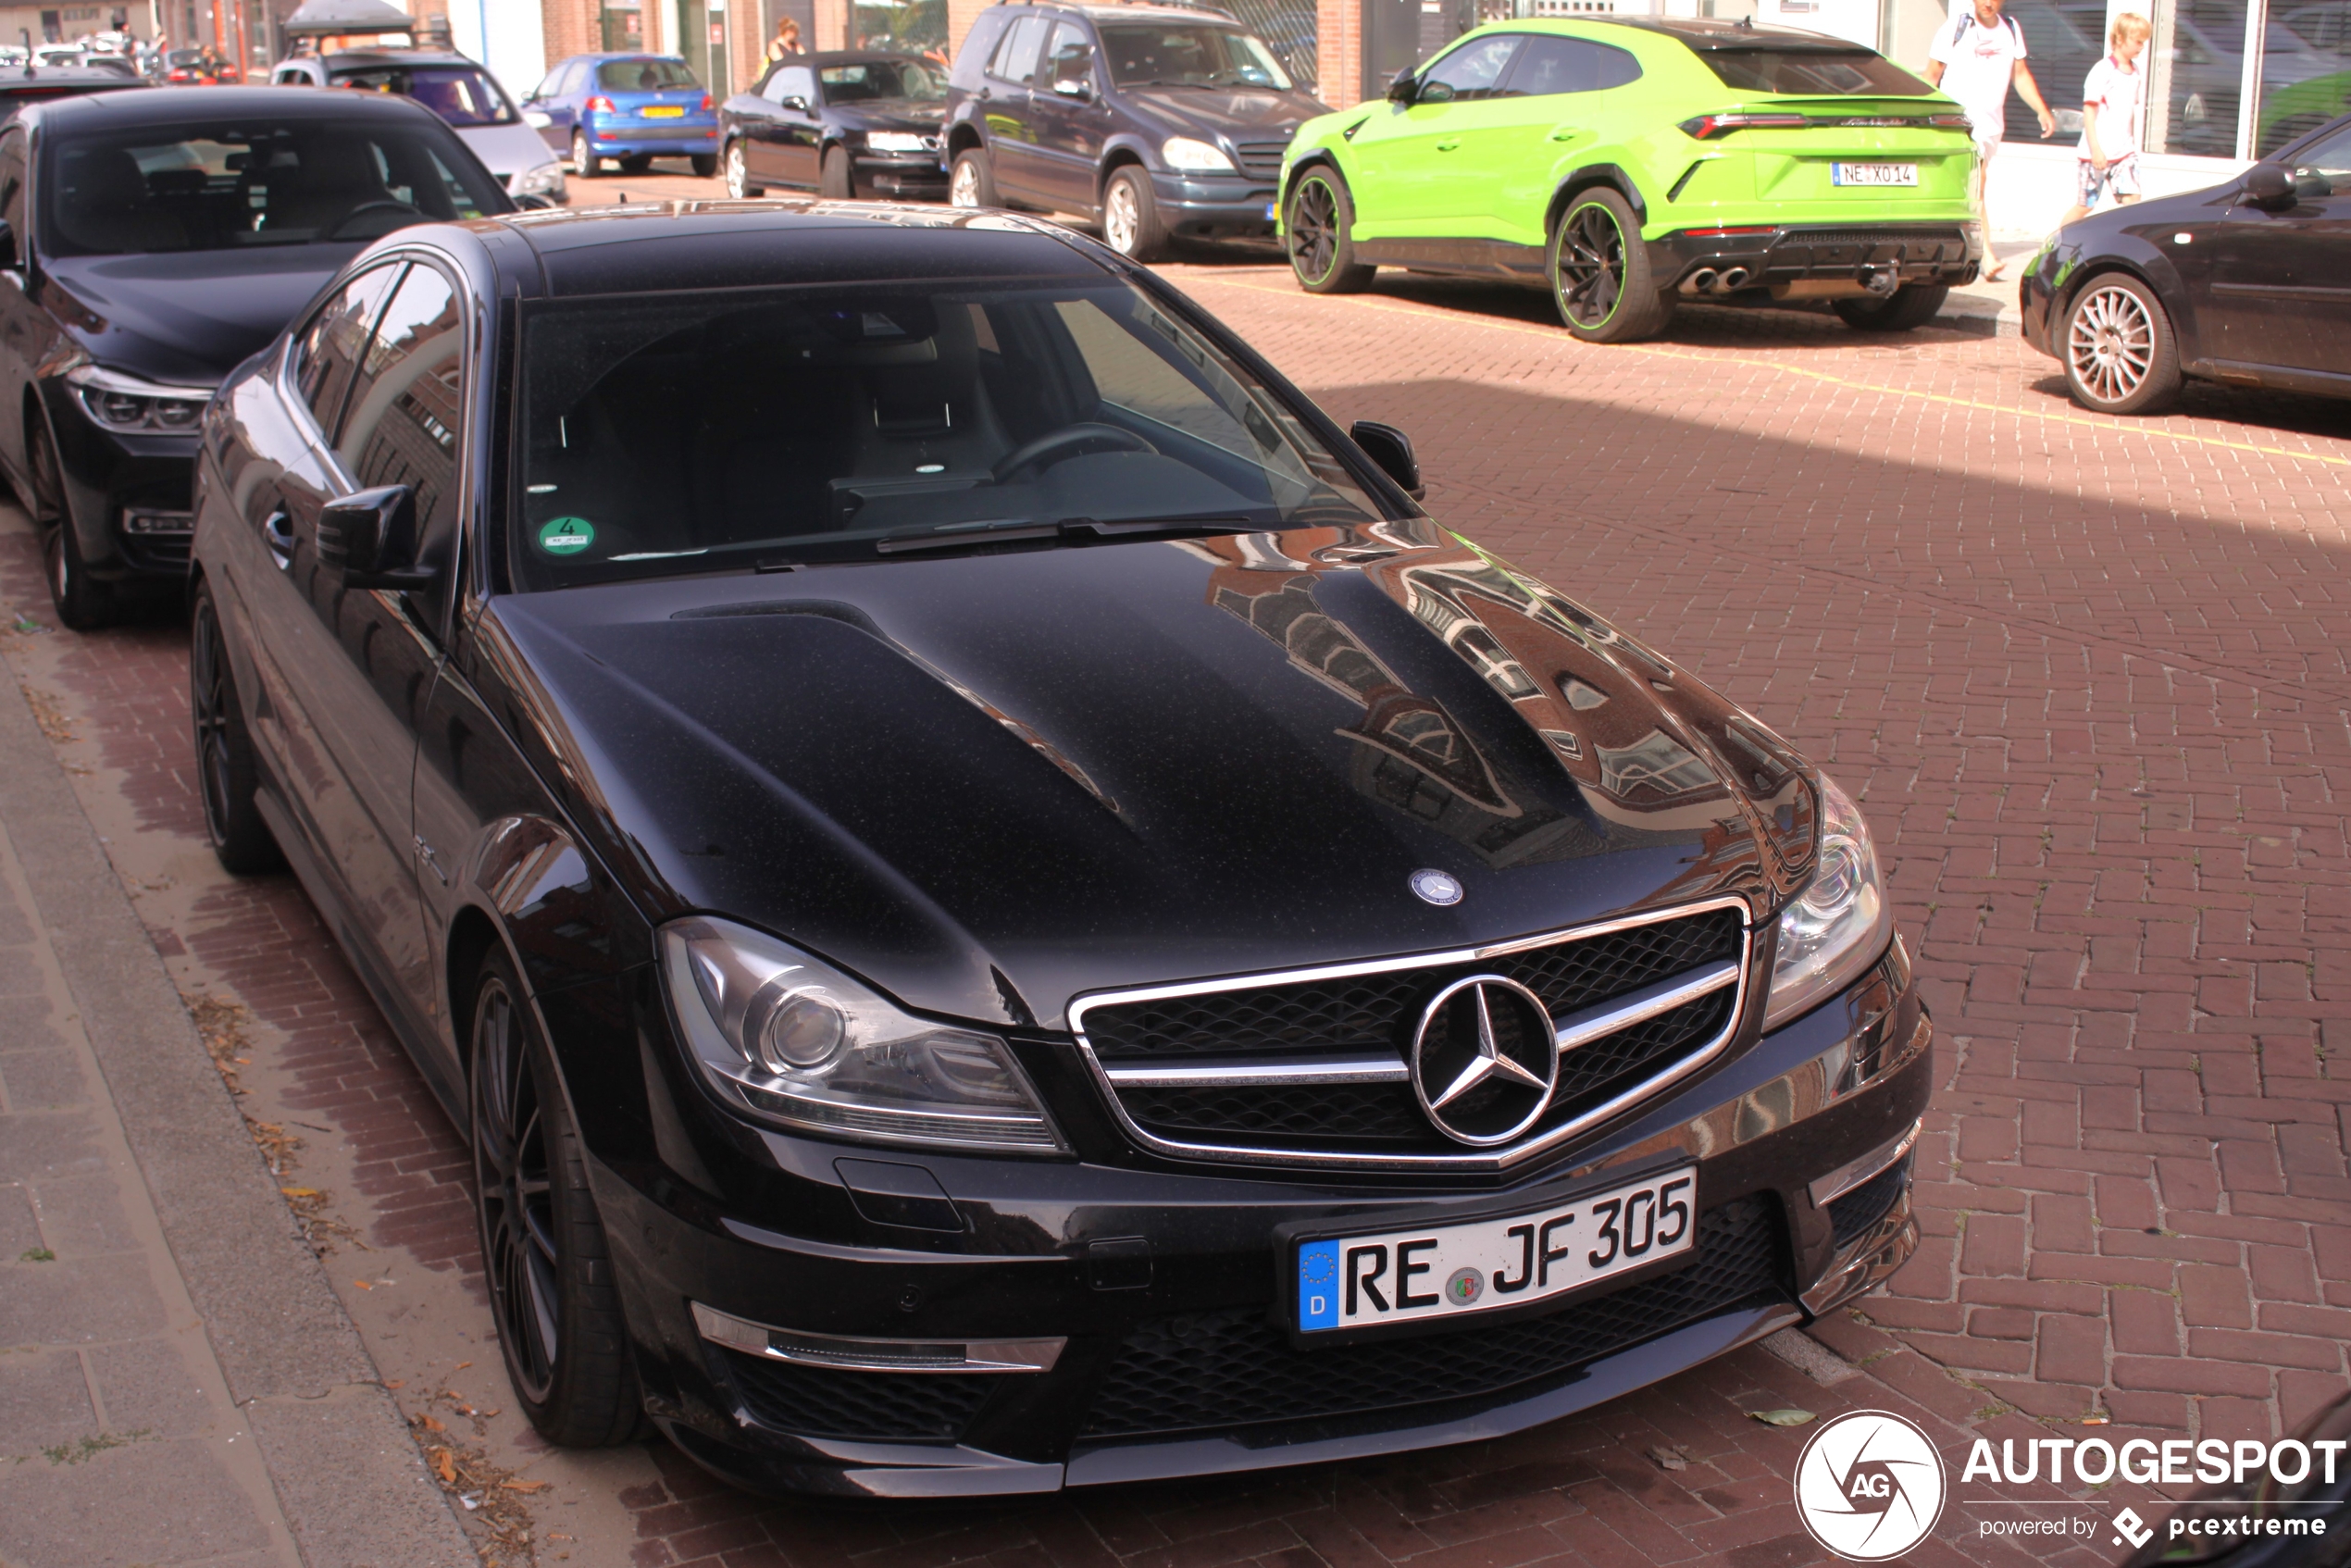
(665, 111)
(1873, 174)
(1453, 1271)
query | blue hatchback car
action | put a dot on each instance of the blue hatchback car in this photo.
(629, 107)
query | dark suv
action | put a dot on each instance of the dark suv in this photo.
(1155, 121)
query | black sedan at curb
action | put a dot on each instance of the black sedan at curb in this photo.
(2248, 284)
(1001, 907)
(848, 124)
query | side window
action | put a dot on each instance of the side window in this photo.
(1570, 65)
(406, 398)
(1471, 72)
(2323, 169)
(1016, 56)
(328, 347)
(977, 44)
(1069, 62)
(793, 82)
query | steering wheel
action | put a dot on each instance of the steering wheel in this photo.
(345, 221)
(1070, 441)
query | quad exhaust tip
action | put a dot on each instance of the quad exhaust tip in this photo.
(1706, 280)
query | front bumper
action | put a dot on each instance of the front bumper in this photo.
(1216, 206)
(110, 478)
(1158, 1280)
(912, 175)
(1820, 260)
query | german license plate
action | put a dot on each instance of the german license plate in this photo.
(1453, 1271)
(665, 111)
(1873, 174)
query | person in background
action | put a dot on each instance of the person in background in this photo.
(2114, 105)
(785, 42)
(1976, 58)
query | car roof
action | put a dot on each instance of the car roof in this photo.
(1703, 34)
(629, 55)
(367, 59)
(1145, 14)
(93, 76)
(221, 104)
(851, 57)
(665, 247)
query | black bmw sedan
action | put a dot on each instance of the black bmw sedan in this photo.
(848, 124)
(1001, 907)
(155, 240)
(2248, 283)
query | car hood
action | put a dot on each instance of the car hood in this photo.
(506, 150)
(890, 113)
(989, 784)
(186, 317)
(1237, 114)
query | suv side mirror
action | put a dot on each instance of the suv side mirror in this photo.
(1070, 87)
(1391, 449)
(797, 104)
(1404, 90)
(368, 539)
(2268, 187)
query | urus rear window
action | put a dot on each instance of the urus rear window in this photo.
(1810, 72)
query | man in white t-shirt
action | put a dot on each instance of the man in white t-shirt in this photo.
(2114, 105)
(1976, 56)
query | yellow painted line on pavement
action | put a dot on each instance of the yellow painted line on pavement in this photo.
(1558, 336)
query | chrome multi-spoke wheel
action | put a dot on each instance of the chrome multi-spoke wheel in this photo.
(517, 1194)
(1601, 271)
(968, 184)
(1119, 219)
(2117, 346)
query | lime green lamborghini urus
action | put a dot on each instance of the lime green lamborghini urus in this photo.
(1633, 163)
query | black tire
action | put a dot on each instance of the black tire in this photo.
(585, 164)
(971, 183)
(739, 182)
(1317, 229)
(705, 164)
(228, 775)
(1911, 305)
(549, 1268)
(838, 179)
(2120, 353)
(82, 603)
(1131, 224)
(1599, 270)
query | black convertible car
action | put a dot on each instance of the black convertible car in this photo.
(155, 238)
(849, 125)
(1001, 907)
(2248, 283)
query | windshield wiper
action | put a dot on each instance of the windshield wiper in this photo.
(1000, 529)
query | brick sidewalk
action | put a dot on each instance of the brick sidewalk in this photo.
(2085, 675)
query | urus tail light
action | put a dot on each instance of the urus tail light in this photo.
(1954, 122)
(1706, 128)
(600, 104)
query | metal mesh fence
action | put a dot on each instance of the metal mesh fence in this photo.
(1287, 27)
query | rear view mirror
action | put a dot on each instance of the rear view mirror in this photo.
(368, 539)
(1391, 449)
(1404, 89)
(2268, 187)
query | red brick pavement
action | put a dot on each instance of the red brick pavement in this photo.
(2086, 675)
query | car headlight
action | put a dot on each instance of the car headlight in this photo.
(117, 401)
(1182, 152)
(547, 180)
(1842, 921)
(893, 141)
(785, 1039)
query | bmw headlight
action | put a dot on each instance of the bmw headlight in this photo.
(118, 401)
(1197, 158)
(547, 180)
(893, 141)
(1842, 921)
(785, 1039)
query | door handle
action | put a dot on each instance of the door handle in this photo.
(1566, 133)
(432, 861)
(1449, 143)
(277, 533)
(984, 94)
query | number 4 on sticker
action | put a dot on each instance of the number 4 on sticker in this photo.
(565, 536)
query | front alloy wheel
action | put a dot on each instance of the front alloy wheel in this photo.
(82, 602)
(1321, 257)
(738, 184)
(227, 773)
(2119, 352)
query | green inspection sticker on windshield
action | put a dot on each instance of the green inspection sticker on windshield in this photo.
(566, 536)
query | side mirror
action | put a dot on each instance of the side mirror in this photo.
(1405, 89)
(1078, 90)
(797, 104)
(368, 539)
(9, 259)
(2268, 187)
(1391, 449)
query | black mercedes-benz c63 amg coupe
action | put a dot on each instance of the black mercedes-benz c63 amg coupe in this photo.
(1001, 907)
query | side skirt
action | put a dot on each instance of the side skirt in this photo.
(1476, 259)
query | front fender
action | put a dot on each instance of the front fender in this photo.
(2144, 260)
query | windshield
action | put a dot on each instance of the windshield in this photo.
(459, 94)
(1189, 55)
(691, 433)
(881, 79)
(1811, 72)
(219, 187)
(651, 74)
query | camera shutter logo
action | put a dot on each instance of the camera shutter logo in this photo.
(1870, 1487)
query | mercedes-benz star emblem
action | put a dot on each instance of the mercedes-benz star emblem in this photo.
(1484, 1060)
(1436, 886)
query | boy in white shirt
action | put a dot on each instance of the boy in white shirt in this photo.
(1976, 56)
(2113, 115)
